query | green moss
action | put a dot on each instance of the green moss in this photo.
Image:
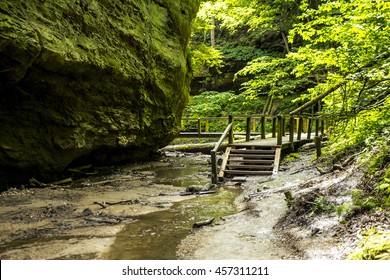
(292, 157)
(375, 246)
(91, 79)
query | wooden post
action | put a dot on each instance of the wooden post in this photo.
(280, 130)
(304, 125)
(291, 136)
(199, 128)
(309, 124)
(231, 130)
(214, 178)
(300, 124)
(322, 120)
(273, 127)
(317, 126)
(263, 127)
(317, 142)
(248, 129)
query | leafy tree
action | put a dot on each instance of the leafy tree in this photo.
(346, 44)
(205, 59)
(220, 104)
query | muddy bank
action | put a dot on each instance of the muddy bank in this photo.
(137, 212)
(81, 220)
(284, 217)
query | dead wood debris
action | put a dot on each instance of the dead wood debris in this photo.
(104, 204)
(340, 167)
(203, 223)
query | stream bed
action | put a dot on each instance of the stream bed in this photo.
(157, 234)
(134, 212)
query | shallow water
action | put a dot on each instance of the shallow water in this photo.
(156, 235)
(152, 227)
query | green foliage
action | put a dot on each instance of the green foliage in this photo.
(369, 130)
(360, 203)
(322, 205)
(383, 189)
(375, 246)
(272, 76)
(232, 51)
(345, 41)
(292, 157)
(221, 104)
(205, 58)
(217, 104)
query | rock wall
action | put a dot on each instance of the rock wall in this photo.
(89, 81)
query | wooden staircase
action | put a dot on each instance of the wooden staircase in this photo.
(250, 160)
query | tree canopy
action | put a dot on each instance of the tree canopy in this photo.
(335, 52)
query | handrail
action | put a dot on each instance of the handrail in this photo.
(293, 124)
(214, 167)
(223, 136)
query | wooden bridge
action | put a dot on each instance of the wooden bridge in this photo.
(259, 152)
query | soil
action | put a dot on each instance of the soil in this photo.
(81, 220)
(278, 217)
(291, 215)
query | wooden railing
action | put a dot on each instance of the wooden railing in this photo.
(294, 124)
(280, 124)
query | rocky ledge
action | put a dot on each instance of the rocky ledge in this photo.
(89, 81)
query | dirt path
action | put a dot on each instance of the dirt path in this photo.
(266, 229)
(82, 220)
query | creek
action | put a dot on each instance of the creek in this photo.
(157, 234)
(69, 222)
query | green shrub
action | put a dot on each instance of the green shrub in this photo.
(375, 246)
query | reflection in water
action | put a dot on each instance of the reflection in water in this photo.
(187, 171)
(156, 235)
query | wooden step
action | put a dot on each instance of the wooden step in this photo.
(254, 161)
(241, 151)
(253, 156)
(248, 167)
(250, 146)
(247, 172)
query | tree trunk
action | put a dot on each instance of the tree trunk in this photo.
(318, 98)
(212, 32)
(285, 40)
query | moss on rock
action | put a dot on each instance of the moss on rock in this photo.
(89, 80)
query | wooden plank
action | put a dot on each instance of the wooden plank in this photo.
(248, 172)
(260, 156)
(214, 167)
(246, 166)
(224, 163)
(239, 151)
(278, 153)
(254, 161)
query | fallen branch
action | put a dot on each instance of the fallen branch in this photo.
(334, 168)
(100, 204)
(104, 204)
(126, 202)
(203, 223)
(106, 221)
(35, 183)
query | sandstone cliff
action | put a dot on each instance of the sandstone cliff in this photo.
(89, 81)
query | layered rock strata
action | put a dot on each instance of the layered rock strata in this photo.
(89, 81)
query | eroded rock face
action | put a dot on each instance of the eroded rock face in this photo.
(89, 81)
